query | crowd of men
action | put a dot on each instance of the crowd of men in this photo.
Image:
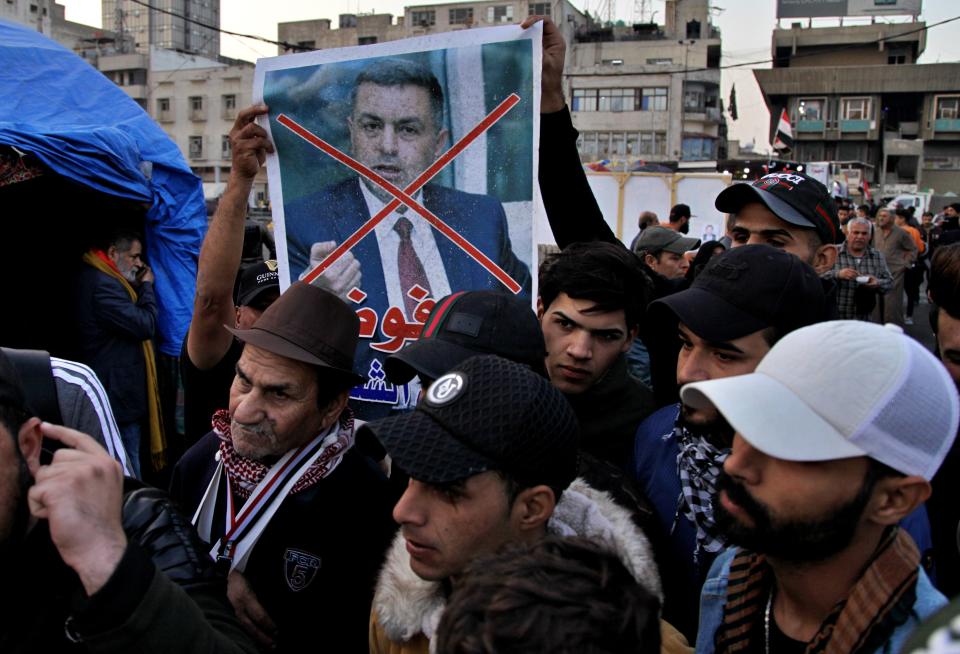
(729, 446)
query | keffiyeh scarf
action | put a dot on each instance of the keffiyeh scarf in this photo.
(699, 463)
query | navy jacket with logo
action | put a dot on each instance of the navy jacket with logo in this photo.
(315, 566)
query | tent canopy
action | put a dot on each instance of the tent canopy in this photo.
(85, 128)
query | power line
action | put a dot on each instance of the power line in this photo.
(216, 28)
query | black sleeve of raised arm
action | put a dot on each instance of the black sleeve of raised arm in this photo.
(572, 210)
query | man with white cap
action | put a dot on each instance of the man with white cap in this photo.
(825, 462)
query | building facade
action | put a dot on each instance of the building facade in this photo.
(182, 25)
(857, 97)
(649, 92)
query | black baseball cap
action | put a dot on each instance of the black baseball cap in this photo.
(679, 211)
(794, 197)
(256, 281)
(466, 324)
(746, 289)
(487, 413)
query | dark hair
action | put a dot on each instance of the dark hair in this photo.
(944, 284)
(704, 254)
(122, 239)
(400, 72)
(607, 274)
(955, 206)
(560, 595)
(12, 419)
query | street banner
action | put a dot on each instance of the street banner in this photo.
(404, 172)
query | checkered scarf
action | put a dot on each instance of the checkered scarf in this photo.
(245, 474)
(699, 463)
(880, 601)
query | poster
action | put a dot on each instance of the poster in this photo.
(415, 159)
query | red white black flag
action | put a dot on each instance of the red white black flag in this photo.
(783, 140)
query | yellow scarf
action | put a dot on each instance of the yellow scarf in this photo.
(158, 442)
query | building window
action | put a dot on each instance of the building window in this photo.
(500, 14)
(896, 59)
(196, 147)
(810, 109)
(646, 143)
(539, 9)
(616, 100)
(426, 18)
(164, 114)
(693, 100)
(366, 40)
(225, 150)
(699, 148)
(195, 102)
(584, 99)
(588, 145)
(229, 103)
(660, 143)
(948, 108)
(855, 109)
(653, 99)
(660, 61)
(693, 29)
(462, 16)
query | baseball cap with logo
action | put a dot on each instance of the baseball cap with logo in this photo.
(664, 239)
(842, 389)
(487, 413)
(466, 324)
(746, 289)
(794, 197)
(255, 282)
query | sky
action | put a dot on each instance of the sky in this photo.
(745, 25)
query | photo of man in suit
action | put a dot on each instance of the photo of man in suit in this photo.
(396, 129)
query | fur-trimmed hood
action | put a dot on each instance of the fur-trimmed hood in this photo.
(406, 605)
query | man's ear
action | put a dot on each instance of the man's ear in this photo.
(30, 440)
(332, 411)
(824, 258)
(113, 253)
(540, 308)
(443, 136)
(533, 508)
(651, 261)
(895, 498)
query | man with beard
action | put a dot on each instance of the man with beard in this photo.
(679, 219)
(737, 308)
(90, 562)
(298, 516)
(116, 319)
(818, 478)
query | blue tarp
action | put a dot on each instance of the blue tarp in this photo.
(55, 105)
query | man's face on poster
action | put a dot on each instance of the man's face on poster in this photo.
(394, 131)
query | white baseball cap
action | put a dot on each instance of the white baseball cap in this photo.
(842, 389)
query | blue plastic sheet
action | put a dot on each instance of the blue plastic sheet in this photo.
(76, 121)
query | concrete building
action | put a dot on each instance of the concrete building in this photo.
(196, 100)
(857, 97)
(419, 20)
(165, 24)
(648, 91)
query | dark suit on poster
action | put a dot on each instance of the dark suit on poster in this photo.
(334, 213)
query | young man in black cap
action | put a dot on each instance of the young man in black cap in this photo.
(787, 210)
(491, 452)
(742, 303)
(296, 514)
(679, 219)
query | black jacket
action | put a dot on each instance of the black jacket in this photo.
(343, 524)
(163, 597)
(111, 331)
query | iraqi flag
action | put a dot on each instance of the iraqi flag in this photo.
(783, 141)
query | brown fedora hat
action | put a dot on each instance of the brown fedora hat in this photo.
(308, 324)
